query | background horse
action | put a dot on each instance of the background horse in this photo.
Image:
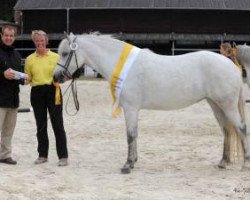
(243, 56)
(159, 82)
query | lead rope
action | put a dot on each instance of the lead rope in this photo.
(73, 92)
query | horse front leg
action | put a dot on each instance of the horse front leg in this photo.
(131, 118)
(227, 129)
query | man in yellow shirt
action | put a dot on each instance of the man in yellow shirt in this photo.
(46, 96)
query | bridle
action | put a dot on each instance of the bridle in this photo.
(73, 47)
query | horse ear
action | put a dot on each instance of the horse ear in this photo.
(71, 34)
(65, 34)
(234, 45)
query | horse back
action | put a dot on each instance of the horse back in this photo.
(171, 82)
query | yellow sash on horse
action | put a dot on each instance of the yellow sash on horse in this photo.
(120, 72)
(57, 93)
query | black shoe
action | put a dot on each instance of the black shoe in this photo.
(9, 161)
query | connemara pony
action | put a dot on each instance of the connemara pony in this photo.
(243, 56)
(140, 79)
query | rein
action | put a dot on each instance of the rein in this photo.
(75, 98)
(73, 47)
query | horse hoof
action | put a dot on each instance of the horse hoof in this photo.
(246, 165)
(125, 170)
(222, 165)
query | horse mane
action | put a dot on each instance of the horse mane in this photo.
(98, 34)
(105, 36)
(243, 48)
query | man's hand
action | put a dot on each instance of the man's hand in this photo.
(9, 74)
(27, 79)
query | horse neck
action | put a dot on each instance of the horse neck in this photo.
(243, 57)
(102, 54)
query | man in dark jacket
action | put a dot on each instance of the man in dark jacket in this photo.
(10, 66)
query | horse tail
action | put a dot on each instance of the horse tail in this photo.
(235, 148)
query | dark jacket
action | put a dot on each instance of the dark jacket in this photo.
(9, 89)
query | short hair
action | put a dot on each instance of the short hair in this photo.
(227, 47)
(4, 27)
(34, 33)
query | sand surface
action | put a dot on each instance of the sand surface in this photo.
(178, 154)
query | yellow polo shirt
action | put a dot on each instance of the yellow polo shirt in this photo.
(41, 68)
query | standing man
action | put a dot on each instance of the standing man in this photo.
(46, 98)
(10, 65)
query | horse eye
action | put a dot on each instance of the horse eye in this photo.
(64, 54)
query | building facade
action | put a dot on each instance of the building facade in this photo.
(164, 26)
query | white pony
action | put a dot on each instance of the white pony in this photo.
(243, 56)
(159, 82)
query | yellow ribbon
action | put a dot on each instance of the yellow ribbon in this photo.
(116, 74)
(238, 65)
(57, 94)
(236, 62)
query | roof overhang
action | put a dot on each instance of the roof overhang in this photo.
(160, 37)
(133, 4)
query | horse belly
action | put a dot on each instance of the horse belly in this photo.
(172, 100)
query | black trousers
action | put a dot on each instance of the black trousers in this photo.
(43, 100)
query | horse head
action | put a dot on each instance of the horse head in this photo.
(242, 55)
(242, 52)
(70, 65)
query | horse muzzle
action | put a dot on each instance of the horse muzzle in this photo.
(60, 77)
(78, 73)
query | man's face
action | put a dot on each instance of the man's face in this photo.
(40, 42)
(8, 36)
(223, 51)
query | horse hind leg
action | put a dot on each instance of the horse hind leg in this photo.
(242, 131)
(237, 117)
(227, 155)
(224, 125)
(131, 118)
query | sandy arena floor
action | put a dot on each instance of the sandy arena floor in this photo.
(178, 153)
